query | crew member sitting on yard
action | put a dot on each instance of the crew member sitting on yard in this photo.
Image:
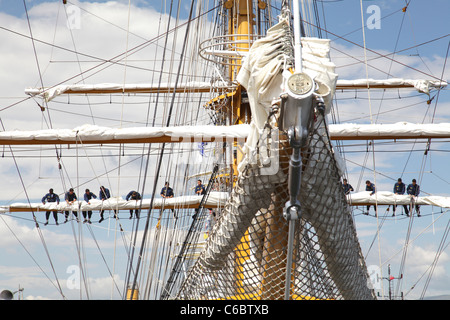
(370, 187)
(104, 195)
(167, 192)
(347, 187)
(70, 198)
(199, 190)
(51, 197)
(88, 195)
(133, 195)
(414, 190)
(399, 188)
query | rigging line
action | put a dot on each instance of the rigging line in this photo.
(144, 147)
(423, 274)
(103, 258)
(38, 67)
(161, 241)
(165, 47)
(390, 64)
(405, 248)
(32, 258)
(442, 76)
(417, 237)
(83, 269)
(377, 234)
(381, 55)
(41, 236)
(149, 146)
(112, 60)
(396, 52)
(54, 37)
(79, 65)
(188, 241)
(121, 119)
(165, 268)
(80, 233)
(439, 251)
(163, 146)
(35, 54)
(126, 60)
(111, 23)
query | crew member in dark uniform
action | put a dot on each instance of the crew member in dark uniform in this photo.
(133, 195)
(370, 187)
(347, 187)
(70, 198)
(167, 192)
(103, 195)
(399, 188)
(199, 190)
(414, 190)
(51, 197)
(88, 195)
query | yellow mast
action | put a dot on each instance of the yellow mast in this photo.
(241, 25)
(240, 14)
(240, 28)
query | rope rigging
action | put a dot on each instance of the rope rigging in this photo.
(152, 252)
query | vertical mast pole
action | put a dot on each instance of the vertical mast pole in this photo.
(297, 44)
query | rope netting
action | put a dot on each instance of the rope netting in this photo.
(246, 252)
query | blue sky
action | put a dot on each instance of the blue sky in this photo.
(423, 21)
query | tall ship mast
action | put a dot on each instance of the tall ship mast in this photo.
(240, 122)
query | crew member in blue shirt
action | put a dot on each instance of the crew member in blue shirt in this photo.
(413, 190)
(400, 188)
(347, 187)
(103, 195)
(88, 195)
(51, 197)
(167, 192)
(199, 190)
(70, 198)
(370, 187)
(133, 195)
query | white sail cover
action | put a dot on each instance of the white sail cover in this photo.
(92, 133)
(420, 85)
(389, 198)
(400, 130)
(214, 199)
(88, 133)
(50, 93)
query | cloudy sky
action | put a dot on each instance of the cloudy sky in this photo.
(76, 44)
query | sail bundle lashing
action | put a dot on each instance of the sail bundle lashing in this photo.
(247, 254)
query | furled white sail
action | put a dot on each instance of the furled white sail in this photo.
(97, 134)
(88, 134)
(107, 88)
(399, 130)
(214, 200)
(389, 198)
(49, 94)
